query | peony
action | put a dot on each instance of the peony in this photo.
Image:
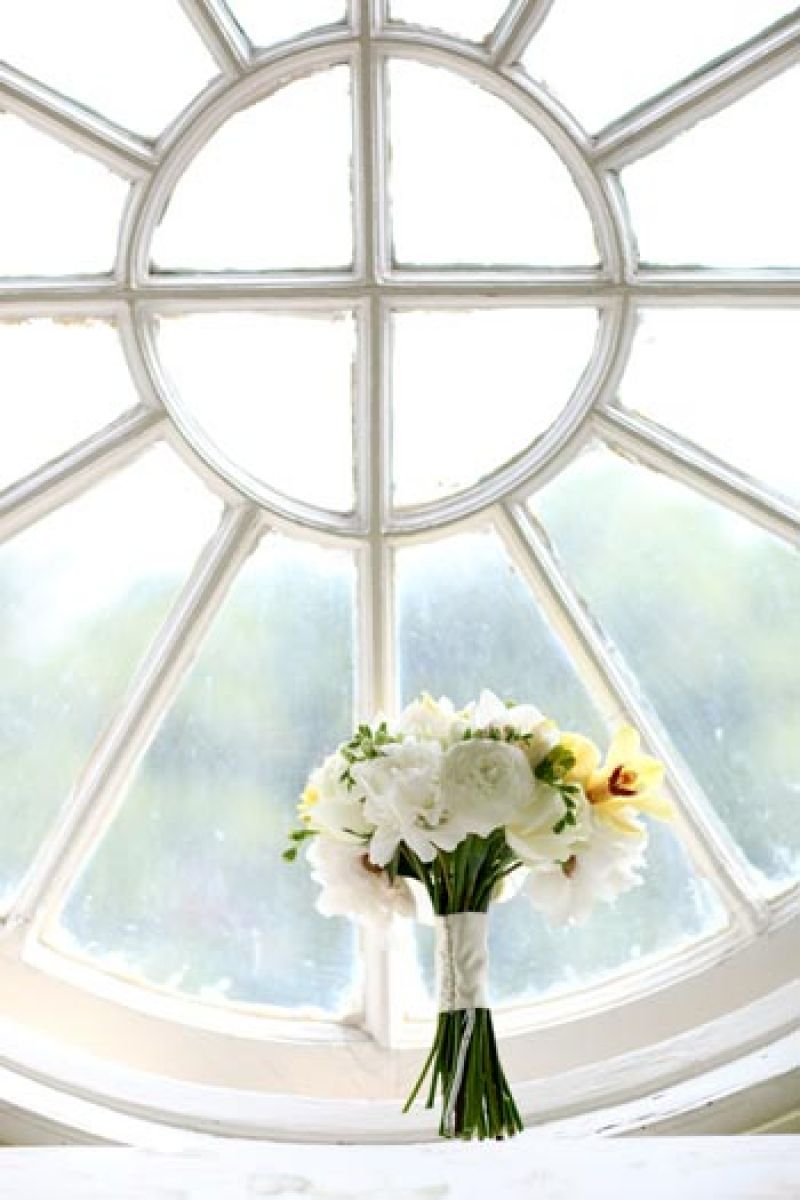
(484, 784)
(606, 865)
(401, 798)
(353, 887)
(530, 833)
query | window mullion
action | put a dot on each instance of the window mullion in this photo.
(515, 30)
(123, 152)
(655, 122)
(100, 789)
(65, 477)
(222, 35)
(703, 472)
(713, 848)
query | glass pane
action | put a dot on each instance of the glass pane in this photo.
(252, 200)
(81, 595)
(450, 368)
(257, 385)
(602, 59)
(64, 208)
(732, 186)
(101, 54)
(725, 379)
(531, 959)
(706, 609)
(467, 621)
(498, 638)
(473, 182)
(473, 19)
(188, 890)
(266, 22)
(61, 382)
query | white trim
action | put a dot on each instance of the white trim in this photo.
(514, 31)
(79, 468)
(714, 87)
(123, 152)
(226, 41)
(690, 464)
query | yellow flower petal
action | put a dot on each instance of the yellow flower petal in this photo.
(624, 747)
(587, 757)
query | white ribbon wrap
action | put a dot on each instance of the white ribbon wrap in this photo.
(462, 960)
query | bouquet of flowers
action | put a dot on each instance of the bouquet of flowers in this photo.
(458, 801)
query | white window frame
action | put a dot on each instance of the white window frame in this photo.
(196, 1048)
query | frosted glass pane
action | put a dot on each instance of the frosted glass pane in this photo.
(188, 890)
(602, 59)
(271, 189)
(732, 186)
(60, 383)
(452, 368)
(81, 595)
(467, 621)
(727, 380)
(473, 19)
(706, 609)
(138, 62)
(530, 959)
(273, 393)
(59, 210)
(473, 182)
(268, 21)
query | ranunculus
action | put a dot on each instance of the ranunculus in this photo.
(484, 785)
(530, 832)
(401, 798)
(353, 887)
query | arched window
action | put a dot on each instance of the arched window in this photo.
(351, 350)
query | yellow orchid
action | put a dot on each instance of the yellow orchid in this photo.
(628, 780)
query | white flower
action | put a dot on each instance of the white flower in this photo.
(491, 713)
(484, 784)
(431, 720)
(530, 832)
(352, 887)
(401, 798)
(330, 806)
(604, 867)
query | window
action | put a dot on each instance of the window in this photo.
(356, 356)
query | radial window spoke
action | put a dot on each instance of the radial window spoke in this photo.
(737, 200)
(474, 182)
(473, 19)
(704, 606)
(726, 380)
(188, 890)
(63, 230)
(272, 394)
(81, 594)
(65, 381)
(508, 372)
(272, 189)
(75, 47)
(268, 23)
(643, 48)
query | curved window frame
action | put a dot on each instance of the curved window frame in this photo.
(198, 1045)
